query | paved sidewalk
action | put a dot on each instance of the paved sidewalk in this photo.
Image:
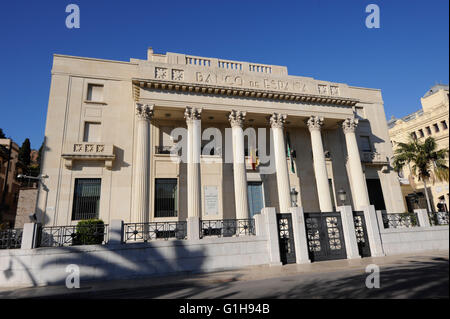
(431, 269)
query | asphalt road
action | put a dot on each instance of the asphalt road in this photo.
(405, 277)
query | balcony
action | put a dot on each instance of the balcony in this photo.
(374, 158)
(89, 151)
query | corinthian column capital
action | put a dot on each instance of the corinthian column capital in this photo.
(315, 123)
(349, 125)
(277, 120)
(192, 114)
(144, 111)
(237, 118)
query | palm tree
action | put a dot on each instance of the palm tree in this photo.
(424, 161)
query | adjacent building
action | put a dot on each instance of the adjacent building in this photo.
(430, 120)
(111, 127)
(10, 167)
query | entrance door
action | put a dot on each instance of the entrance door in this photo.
(255, 197)
(286, 239)
(376, 197)
(325, 236)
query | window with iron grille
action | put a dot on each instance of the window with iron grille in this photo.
(86, 198)
(166, 197)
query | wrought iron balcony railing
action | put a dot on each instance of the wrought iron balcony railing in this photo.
(11, 238)
(143, 232)
(55, 236)
(403, 220)
(227, 227)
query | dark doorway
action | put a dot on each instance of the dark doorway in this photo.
(375, 193)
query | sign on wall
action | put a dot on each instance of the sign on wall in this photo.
(211, 195)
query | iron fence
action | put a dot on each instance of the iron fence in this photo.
(227, 227)
(438, 218)
(143, 232)
(54, 236)
(403, 220)
(11, 238)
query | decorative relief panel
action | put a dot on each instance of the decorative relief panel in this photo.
(177, 75)
(323, 89)
(334, 90)
(161, 73)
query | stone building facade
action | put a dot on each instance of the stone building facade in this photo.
(110, 131)
(431, 120)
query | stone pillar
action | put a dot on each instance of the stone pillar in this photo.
(141, 172)
(284, 197)
(348, 228)
(300, 236)
(236, 119)
(29, 234)
(422, 215)
(270, 217)
(360, 196)
(193, 116)
(373, 231)
(320, 167)
(116, 232)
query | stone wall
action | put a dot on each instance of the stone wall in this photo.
(25, 206)
(412, 240)
(47, 266)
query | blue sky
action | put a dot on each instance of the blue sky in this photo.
(324, 39)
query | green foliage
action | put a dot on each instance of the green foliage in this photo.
(2, 135)
(24, 152)
(425, 160)
(89, 232)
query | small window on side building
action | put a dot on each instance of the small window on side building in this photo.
(95, 93)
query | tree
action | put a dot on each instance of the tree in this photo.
(24, 152)
(424, 160)
(2, 135)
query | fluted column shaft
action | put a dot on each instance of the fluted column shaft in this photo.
(193, 116)
(284, 192)
(141, 165)
(320, 169)
(239, 172)
(360, 196)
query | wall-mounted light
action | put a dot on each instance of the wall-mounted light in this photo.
(294, 195)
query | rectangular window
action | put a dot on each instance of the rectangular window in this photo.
(95, 92)
(166, 197)
(365, 144)
(86, 198)
(436, 128)
(92, 132)
(428, 130)
(421, 133)
(414, 135)
(444, 125)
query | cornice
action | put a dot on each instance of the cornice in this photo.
(243, 92)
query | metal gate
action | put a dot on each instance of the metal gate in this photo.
(325, 236)
(361, 234)
(286, 238)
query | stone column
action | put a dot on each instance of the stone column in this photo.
(284, 197)
(320, 169)
(240, 175)
(360, 196)
(193, 116)
(141, 173)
